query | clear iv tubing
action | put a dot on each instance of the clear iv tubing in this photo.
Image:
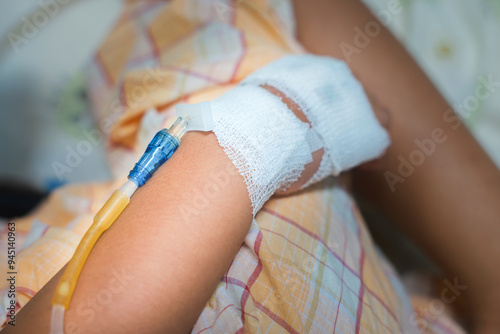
(159, 150)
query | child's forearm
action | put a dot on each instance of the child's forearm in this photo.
(449, 201)
(164, 256)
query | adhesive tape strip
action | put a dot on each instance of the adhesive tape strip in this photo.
(199, 116)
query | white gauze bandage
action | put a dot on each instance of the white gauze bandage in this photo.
(266, 142)
(335, 104)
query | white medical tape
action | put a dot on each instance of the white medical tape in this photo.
(199, 116)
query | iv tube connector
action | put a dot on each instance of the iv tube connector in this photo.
(159, 150)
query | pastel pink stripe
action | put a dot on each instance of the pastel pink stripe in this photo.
(335, 255)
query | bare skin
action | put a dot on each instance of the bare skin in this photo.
(449, 204)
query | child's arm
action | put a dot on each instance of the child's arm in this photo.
(450, 203)
(168, 249)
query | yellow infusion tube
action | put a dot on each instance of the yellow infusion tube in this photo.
(159, 150)
(102, 221)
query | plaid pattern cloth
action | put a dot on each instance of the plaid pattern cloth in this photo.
(307, 265)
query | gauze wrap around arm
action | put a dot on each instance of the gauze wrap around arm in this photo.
(335, 104)
(270, 146)
(265, 141)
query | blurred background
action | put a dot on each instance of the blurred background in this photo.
(45, 120)
(45, 46)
